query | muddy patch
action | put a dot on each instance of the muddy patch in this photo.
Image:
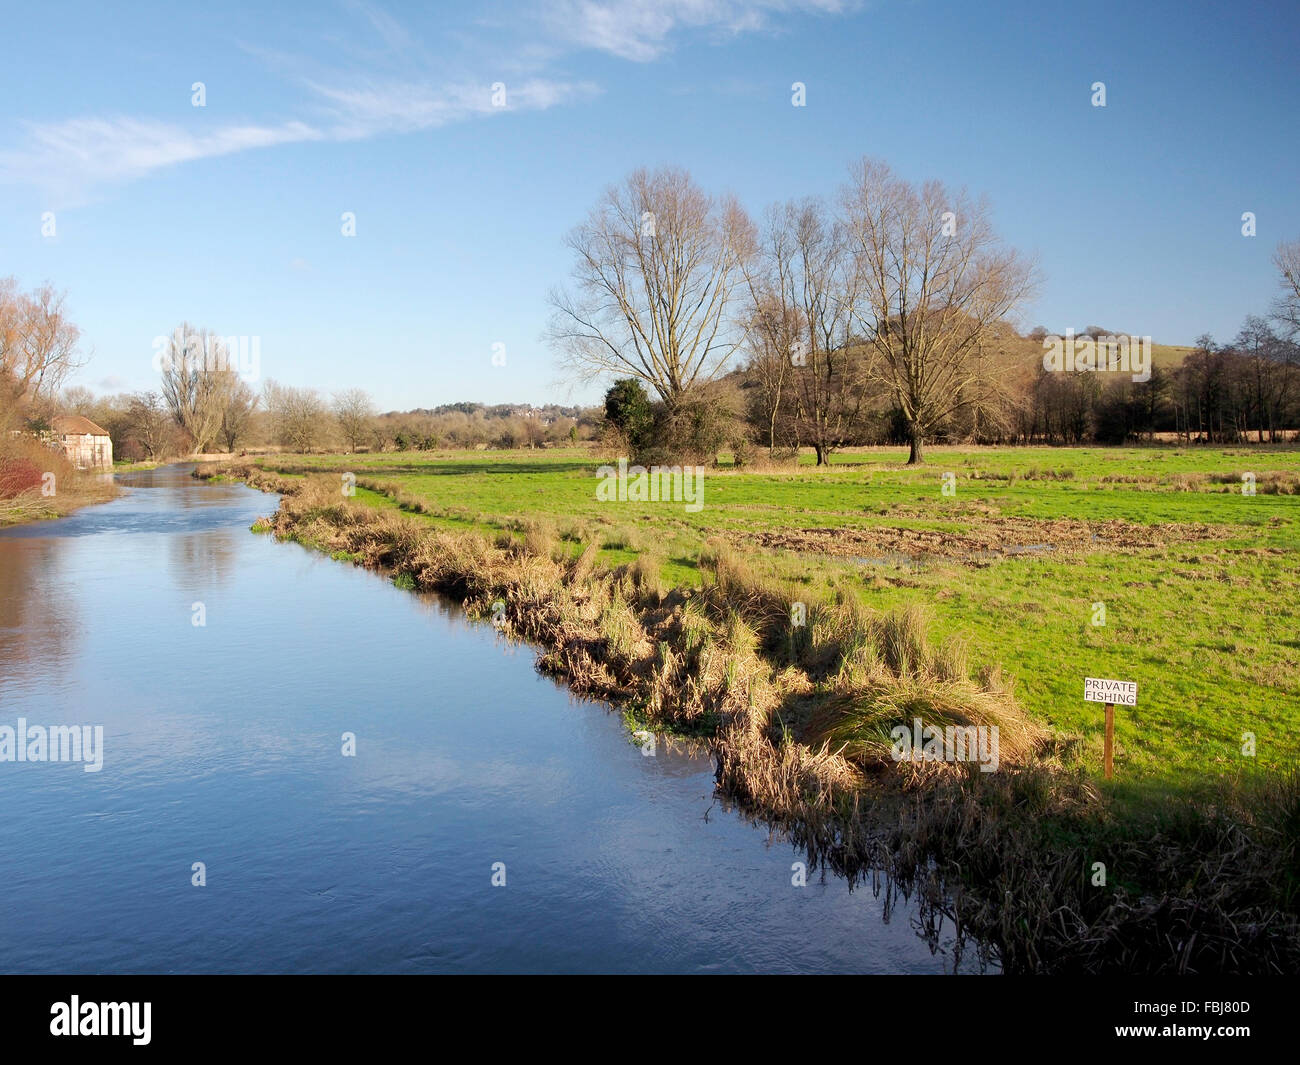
(984, 539)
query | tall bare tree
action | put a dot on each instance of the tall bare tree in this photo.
(147, 421)
(934, 280)
(772, 330)
(38, 342)
(769, 342)
(804, 300)
(657, 263)
(355, 413)
(1287, 308)
(237, 414)
(197, 381)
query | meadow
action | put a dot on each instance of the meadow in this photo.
(1009, 551)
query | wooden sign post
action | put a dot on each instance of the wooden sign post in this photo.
(1108, 755)
(1110, 692)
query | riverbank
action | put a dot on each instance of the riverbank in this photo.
(38, 482)
(33, 504)
(1032, 860)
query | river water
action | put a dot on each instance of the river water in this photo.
(223, 744)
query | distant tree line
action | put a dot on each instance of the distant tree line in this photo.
(1245, 390)
(149, 425)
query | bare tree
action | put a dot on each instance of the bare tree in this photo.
(146, 422)
(355, 413)
(997, 377)
(297, 415)
(38, 342)
(1287, 308)
(78, 399)
(1270, 373)
(197, 382)
(657, 263)
(808, 291)
(237, 413)
(933, 282)
(769, 366)
(772, 327)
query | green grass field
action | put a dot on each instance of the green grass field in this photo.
(1200, 581)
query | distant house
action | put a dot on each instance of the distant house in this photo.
(85, 443)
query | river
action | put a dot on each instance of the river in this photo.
(223, 744)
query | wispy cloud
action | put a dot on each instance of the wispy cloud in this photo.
(119, 149)
(642, 30)
(369, 109)
(71, 158)
(394, 35)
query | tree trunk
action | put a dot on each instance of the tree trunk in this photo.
(916, 454)
(821, 455)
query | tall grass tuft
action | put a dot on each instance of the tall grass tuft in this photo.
(540, 537)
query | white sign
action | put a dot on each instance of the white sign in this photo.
(1119, 692)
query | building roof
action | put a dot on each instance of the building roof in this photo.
(75, 425)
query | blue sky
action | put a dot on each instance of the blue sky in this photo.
(228, 215)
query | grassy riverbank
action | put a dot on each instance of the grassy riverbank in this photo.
(915, 608)
(32, 506)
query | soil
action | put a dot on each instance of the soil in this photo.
(984, 537)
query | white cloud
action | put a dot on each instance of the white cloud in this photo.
(368, 109)
(81, 152)
(640, 30)
(392, 32)
(67, 159)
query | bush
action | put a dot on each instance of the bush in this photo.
(693, 431)
(18, 475)
(24, 461)
(629, 411)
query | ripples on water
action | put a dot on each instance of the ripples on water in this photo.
(222, 745)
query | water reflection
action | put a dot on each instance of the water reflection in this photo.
(37, 619)
(200, 562)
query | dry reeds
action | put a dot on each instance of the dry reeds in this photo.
(38, 482)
